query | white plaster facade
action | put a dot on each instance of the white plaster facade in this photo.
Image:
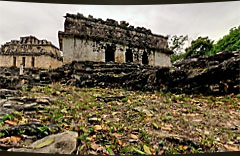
(89, 50)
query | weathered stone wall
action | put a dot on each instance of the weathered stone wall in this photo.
(47, 62)
(82, 50)
(162, 59)
(89, 50)
(42, 61)
(87, 39)
(6, 61)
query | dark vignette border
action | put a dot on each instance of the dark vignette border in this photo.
(120, 2)
(4, 153)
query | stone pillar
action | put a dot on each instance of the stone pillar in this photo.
(21, 69)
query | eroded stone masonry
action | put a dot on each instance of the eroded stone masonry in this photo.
(30, 52)
(91, 39)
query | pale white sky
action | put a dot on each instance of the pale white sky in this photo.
(45, 20)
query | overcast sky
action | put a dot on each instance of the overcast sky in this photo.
(45, 20)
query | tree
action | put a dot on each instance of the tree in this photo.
(230, 42)
(177, 43)
(200, 46)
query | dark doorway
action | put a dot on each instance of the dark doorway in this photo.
(14, 61)
(129, 55)
(23, 61)
(144, 58)
(33, 61)
(110, 54)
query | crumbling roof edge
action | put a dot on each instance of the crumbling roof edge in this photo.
(49, 43)
(105, 22)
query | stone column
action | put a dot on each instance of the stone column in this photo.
(21, 69)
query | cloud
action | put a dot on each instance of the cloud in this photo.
(45, 20)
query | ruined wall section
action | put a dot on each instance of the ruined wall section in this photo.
(89, 50)
(162, 59)
(111, 31)
(42, 61)
(30, 44)
(86, 39)
(30, 51)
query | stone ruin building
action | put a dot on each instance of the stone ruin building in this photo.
(91, 39)
(31, 53)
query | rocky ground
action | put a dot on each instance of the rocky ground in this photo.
(111, 108)
(118, 121)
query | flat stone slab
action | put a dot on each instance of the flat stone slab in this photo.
(62, 143)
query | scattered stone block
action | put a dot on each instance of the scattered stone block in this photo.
(62, 143)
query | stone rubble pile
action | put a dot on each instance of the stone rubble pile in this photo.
(216, 74)
(12, 103)
(29, 129)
